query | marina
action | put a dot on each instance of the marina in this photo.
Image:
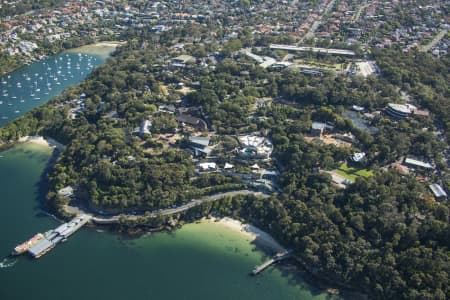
(35, 84)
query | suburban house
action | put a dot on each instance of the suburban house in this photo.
(197, 123)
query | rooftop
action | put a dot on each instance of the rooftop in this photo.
(437, 190)
(200, 140)
(401, 108)
(40, 247)
(416, 162)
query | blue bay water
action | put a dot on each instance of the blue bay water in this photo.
(34, 85)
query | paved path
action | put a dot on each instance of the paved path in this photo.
(316, 23)
(165, 212)
(435, 40)
(361, 7)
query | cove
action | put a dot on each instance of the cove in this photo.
(198, 261)
(35, 84)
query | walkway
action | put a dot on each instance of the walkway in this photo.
(276, 258)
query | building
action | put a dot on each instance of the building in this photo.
(144, 129)
(207, 167)
(66, 192)
(358, 157)
(228, 166)
(197, 123)
(400, 111)
(438, 191)
(255, 147)
(200, 145)
(358, 108)
(317, 128)
(414, 162)
(421, 113)
(182, 60)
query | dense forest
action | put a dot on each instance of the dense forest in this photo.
(426, 79)
(382, 235)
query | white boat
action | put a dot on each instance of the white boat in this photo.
(17, 111)
(1, 102)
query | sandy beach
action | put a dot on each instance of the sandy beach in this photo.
(103, 49)
(255, 234)
(39, 140)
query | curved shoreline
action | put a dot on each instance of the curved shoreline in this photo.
(97, 44)
(256, 235)
(41, 141)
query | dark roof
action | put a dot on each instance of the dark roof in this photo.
(192, 121)
(188, 119)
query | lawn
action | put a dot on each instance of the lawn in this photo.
(352, 173)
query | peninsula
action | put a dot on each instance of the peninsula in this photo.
(324, 123)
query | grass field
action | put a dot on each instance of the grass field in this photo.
(352, 173)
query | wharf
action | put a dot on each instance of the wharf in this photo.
(276, 258)
(55, 236)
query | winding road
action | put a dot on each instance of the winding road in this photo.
(165, 212)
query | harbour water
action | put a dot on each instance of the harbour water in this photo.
(199, 261)
(37, 83)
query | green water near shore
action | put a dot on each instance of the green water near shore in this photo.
(198, 261)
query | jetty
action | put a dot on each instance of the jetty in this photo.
(43, 243)
(276, 258)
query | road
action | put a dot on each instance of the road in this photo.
(165, 212)
(316, 23)
(435, 40)
(358, 13)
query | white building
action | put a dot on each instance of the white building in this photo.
(255, 146)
